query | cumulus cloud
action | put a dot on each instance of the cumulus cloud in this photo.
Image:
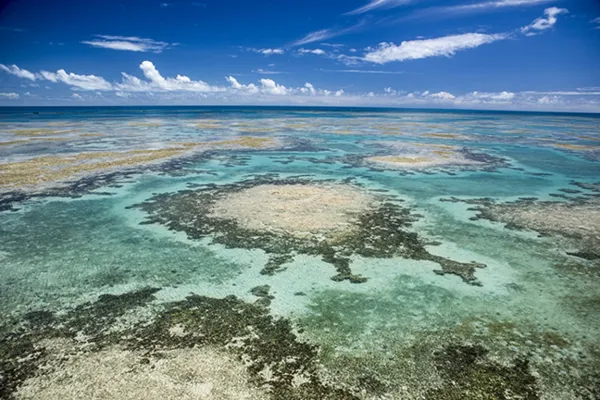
(270, 87)
(318, 52)
(153, 87)
(442, 96)
(309, 88)
(84, 82)
(268, 52)
(156, 82)
(548, 100)
(375, 4)
(501, 96)
(424, 48)
(543, 23)
(10, 96)
(21, 73)
(128, 43)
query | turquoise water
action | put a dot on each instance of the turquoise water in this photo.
(534, 302)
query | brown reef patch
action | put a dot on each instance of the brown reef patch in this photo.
(41, 132)
(46, 169)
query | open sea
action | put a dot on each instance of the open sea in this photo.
(298, 253)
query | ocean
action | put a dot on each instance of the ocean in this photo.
(300, 253)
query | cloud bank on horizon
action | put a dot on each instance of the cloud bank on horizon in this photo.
(498, 63)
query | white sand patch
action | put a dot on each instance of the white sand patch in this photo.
(433, 159)
(114, 373)
(299, 210)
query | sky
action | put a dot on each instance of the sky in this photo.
(472, 54)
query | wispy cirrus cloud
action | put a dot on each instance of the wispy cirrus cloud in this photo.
(375, 4)
(8, 28)
(128, 43)
(424, 48)
(324, 34)
(362, 71)
(596, 21)
(543, 23)
(267, 72)
(474, 8)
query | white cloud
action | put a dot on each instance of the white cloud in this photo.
(309, 88)
(363, 71)
(250, 88)
(481, 7)
(498, 4)
(596, 21)
(128, 43)
(84, 82)
(268, 52)
(154, 88)
(21, 73)
(156, 82)
(442, 46)
(374, 4)
(318, 52)
(10, 96)
(270, 87)
(543, 23)
(548, 100)
(445, 96)
(324, 34)
(502, 96)
(578, 92)
(267, 72)
(233, 82)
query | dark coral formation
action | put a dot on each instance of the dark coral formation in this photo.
(378, 233)
(246, 330)
(265, 343)
(468, 375)
(574, 222)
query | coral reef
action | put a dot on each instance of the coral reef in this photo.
(86, 349)
(430, 155)
(577, 221)
(35, 172)
(255, 214)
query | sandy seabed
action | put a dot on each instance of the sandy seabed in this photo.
(299, 210)
(118, 374)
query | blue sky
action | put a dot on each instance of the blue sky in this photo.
(492, 54)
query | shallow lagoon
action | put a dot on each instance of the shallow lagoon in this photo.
(527, 329)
